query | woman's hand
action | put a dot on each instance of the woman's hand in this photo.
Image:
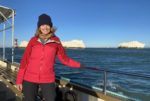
(19, 87)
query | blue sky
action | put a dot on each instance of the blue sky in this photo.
(99, 23)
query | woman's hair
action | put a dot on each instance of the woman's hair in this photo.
(52, 31)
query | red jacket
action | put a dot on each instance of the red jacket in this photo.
(37, 64)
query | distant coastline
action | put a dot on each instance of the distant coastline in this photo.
(66, 44)
(132, 44)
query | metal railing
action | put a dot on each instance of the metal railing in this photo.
(105, 76)
(106, 71)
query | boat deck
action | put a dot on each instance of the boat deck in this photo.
(8, 73)
(8, 91)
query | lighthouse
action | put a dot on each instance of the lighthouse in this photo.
(15, 43)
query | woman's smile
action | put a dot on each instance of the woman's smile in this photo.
(45, 29)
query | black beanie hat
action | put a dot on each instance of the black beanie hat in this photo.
(44, 19)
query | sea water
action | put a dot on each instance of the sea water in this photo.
(133, 61)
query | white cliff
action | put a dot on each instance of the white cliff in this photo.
(74, 44)
(23, 44)
(132, 44)
(67, 44)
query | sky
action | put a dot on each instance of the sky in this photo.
(99, 23)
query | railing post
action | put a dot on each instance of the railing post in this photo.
(4, 37)
(105, 82)
(13, 14)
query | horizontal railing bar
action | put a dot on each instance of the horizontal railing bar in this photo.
(116, 72)
(120, 72)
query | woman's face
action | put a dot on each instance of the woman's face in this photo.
(45, 29)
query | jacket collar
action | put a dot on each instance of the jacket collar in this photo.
(48, 41)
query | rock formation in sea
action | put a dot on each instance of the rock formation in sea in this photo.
(67, 44)
(74, 44)
(23, 44)
(132, 44)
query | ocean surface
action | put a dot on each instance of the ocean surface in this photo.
(119, 60)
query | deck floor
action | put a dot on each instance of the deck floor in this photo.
(8, 91)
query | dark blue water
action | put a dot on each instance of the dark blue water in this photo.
(124, 60)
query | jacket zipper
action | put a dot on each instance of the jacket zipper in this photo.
(41, 60)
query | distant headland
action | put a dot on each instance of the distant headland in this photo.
(66, 44)
(73, 44)
(131, 44)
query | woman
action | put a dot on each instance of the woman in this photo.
(37, 65)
